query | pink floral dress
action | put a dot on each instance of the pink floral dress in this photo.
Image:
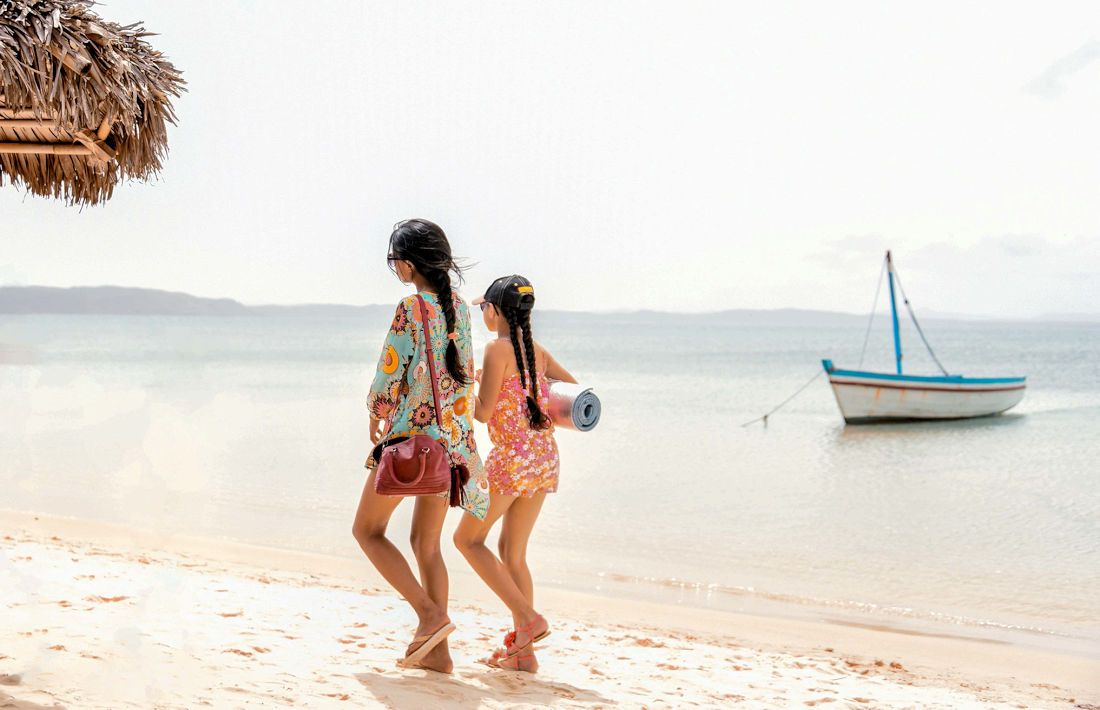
(524, 461)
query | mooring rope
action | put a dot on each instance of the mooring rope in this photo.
(788, 399)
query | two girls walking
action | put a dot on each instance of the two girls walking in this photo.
(513, 397)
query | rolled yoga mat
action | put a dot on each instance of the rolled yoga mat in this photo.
(574, 406)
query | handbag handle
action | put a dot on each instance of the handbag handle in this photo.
(431, 360)
(424, 451)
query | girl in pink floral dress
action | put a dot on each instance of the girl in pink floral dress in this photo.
(513, 397)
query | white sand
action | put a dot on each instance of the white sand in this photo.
(95, 616)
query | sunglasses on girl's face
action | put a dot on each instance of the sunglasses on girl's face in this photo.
(484, 305)
(391, 257)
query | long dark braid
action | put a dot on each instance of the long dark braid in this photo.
(519, 325)
(442, 285)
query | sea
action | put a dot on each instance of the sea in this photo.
(254, 429)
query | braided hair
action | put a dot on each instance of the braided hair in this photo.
(519, 326)
(426, 246)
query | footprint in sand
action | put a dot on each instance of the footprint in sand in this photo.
(10, 678)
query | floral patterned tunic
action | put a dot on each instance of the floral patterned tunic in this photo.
(402, 389)
(524, 461)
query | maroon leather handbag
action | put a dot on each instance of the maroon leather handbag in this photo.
(416, 465)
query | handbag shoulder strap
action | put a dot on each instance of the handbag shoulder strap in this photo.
(431, 359)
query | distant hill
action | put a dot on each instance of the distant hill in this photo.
(116, 300)
(113, 300)
(741, 316)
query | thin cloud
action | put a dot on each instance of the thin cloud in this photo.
(1051, 83)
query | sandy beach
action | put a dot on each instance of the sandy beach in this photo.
(100, 616)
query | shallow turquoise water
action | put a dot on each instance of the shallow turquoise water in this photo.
(254, 429)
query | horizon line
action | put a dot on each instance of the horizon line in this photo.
(933, 315)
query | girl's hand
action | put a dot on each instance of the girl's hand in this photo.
(377, 429)
(477, 375)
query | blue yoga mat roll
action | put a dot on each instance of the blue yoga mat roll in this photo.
(574, 406)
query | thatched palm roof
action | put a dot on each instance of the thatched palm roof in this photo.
(83, 101)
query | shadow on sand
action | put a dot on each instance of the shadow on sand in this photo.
(469, 688)
(7, 702)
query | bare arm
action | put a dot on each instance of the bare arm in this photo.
(554, 371)
(386, 389)
(492, 377)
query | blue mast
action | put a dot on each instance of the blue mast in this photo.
(894, 309)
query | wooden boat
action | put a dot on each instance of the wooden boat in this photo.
(866, 397)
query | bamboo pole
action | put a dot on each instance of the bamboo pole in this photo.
(45, 149)
(105, 127)
(48, 123)
(100, 150)
(77, 60)
(26, 113)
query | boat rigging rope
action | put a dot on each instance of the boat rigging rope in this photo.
(914, 317)
(788, 399)
(867, 335)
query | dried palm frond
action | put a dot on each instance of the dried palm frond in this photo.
(83, 102)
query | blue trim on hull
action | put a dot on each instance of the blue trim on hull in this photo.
(949, 380)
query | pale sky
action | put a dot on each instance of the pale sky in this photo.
(673, 156)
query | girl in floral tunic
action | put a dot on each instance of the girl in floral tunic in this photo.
(401, 404)
(513, 397)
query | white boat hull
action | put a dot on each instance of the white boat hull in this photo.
(870, 397)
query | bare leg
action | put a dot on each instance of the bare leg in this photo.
(369, 530)
(469, 538)
(519, 521)
(427, 526)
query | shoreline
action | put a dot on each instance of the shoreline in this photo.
(887, 618)
(609, 587)
(905, 663)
